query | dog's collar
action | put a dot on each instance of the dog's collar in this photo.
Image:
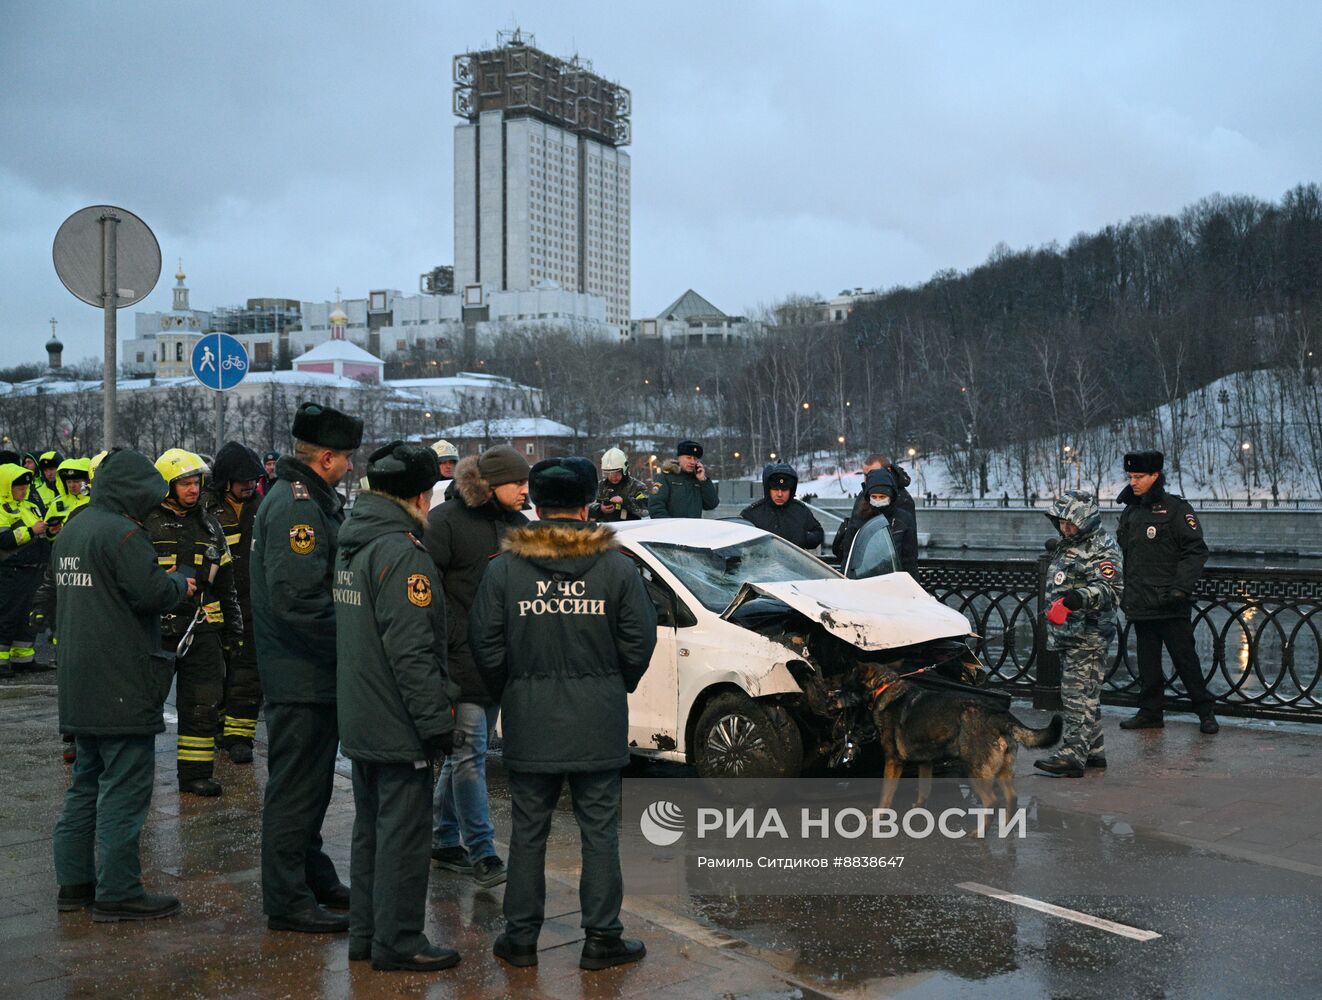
(876, 695)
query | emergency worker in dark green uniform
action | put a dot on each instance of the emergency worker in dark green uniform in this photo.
(113, 679)
(395, 709)
(293, 562)
(681, 488)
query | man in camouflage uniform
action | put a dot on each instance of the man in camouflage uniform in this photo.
(619, 497)
(1083, 590)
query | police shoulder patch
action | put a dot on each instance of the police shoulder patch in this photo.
(302, 538)
(419, 589)
(300, 490)
(1191, 521)
(1106, 568)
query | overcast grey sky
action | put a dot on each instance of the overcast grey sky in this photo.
(285, 149)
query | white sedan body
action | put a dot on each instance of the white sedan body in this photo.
(873, 614)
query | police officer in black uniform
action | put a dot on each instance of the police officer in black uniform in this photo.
(1164, 556)
(293, 562)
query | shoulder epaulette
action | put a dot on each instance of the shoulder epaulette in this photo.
(300, 490)
(414, 539)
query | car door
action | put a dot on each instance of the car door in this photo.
(654, 705)
(873, 551)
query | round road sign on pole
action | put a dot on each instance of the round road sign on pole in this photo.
(107, 257)
(219, 361)
(79, 254)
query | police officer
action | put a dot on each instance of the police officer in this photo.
(620, 497)
(293, 560)
(562, 631)
(45, 491)
(189, 539)
(269, 462)
(1084, 584)
(24, 554)
(73, 482)
(395, 712)
(1164, 556)
(113, 680)
(231, 497)
(779, 513)
(681, 488)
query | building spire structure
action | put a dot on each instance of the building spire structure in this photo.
(54, 349)
(338, 318)
(180, 290)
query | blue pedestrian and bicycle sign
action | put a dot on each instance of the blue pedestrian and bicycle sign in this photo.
(219, 361)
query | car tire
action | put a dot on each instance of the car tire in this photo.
(737, 737)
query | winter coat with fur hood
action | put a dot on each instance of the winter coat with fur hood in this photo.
(562, 631)
(462, 535)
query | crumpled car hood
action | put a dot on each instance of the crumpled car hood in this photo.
(882, 612)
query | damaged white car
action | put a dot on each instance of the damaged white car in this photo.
(758, 643)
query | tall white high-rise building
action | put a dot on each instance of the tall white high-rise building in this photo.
(541, 179)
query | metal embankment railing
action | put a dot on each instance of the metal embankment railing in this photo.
(1258, 633)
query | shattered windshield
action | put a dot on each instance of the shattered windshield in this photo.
(714, 576)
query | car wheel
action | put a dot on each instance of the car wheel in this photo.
(737, 737)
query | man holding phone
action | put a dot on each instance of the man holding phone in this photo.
(681, 488)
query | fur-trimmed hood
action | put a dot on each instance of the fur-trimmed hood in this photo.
(563, 546)
(469, 484)
(670, 465)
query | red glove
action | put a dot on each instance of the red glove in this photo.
(1057, 613)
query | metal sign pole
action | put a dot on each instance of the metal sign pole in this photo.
(110, 303)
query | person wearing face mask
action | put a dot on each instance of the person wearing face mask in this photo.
(878, 498)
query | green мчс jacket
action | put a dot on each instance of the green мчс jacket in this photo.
(393, 692)
(293, 559)
(113, 676)
(680, 494)
(561, 631)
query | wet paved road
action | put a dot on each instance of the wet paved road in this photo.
(1248, 925)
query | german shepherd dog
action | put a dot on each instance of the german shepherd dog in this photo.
(923, 726)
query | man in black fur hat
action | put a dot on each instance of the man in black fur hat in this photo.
(561, 631)
(293, 559)
(1164, 556)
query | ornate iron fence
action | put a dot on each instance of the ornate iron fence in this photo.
(1258, 632)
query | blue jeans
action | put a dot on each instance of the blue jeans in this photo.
(460, 805)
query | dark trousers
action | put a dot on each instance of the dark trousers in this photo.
(18, 585)
(1177, 636)
(104, 810)
(199, 687)
(596, 800)
(300, 761)
(391, 856)
(243, 694)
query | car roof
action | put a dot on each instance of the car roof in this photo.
(708, 533)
